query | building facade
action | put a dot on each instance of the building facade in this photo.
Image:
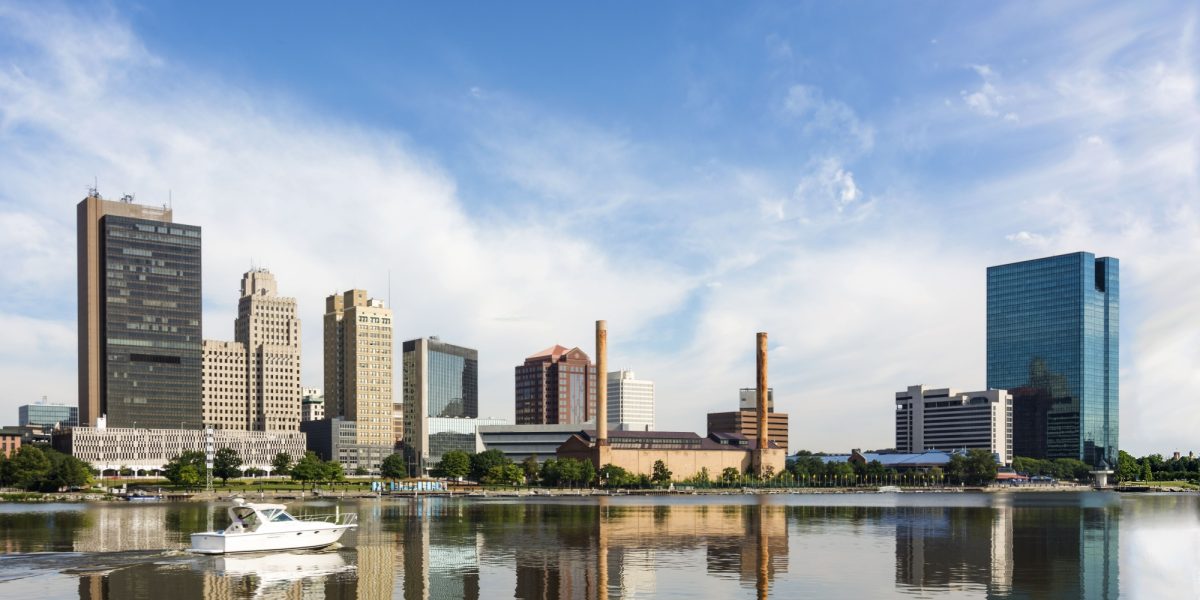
(630, 402)
(139, 315)
(10, 441)
(146, 450)
(1052, 341)
(946, 419)
(312, 404)
(337, 439)
(441, 381)
(447, 433)
(556, 386)
(519, 442)
(744, 421)
(253, 382)
(47, 415)
(358, 365)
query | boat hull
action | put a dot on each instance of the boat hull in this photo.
(316, 536)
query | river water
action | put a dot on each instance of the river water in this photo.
(1011, 545)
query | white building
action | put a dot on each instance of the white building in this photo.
(312, 405)
(946, 419)
(630, 402)
(145, 450)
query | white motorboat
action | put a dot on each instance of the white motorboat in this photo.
(267, 527)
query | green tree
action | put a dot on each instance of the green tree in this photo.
(66, 471)
(281, 464)
(226, 464)
(730, 475)
(612, 476)
(980, 466)
(703, 477)
(587, 472)
(309, 468)
(394, 467)
(28, 468)
(361, 471)
(1127, 467)
(570, 471)
(331, 470)
(508, 474)
(187, 476)
(530, 466)
(190, 458)
(1147, 472)
(660, 475)
(483, 462)
(456, 464)
(551, 472)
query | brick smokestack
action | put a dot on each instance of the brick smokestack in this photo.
(602, 383)
(762, 390)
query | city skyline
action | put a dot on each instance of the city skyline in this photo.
(509, 209)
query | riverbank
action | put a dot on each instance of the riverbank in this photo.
(475, 492)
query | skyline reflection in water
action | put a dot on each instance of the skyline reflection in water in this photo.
(827, 546)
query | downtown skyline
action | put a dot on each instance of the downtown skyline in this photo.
(853, 218)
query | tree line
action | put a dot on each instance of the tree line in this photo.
(1153, 467)
(43, 469)
(976, 467)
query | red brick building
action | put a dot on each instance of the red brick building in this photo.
(556, 386)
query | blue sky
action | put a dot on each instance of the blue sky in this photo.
(839, 175)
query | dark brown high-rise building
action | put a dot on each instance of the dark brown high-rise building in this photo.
(556, 386)
(745, 420)
(139, 316)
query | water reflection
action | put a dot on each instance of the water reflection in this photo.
(965, 546)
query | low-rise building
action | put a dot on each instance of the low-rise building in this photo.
(744, 421)
(149, 450)
(519, 442)
(946, 419)
(10, 441)
(899, 461)
(47, 415)
(337, 439)
(684, 453)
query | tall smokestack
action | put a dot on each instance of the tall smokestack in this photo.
(601, 383)
(762, 390)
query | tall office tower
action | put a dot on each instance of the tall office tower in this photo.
(744, 421)
(946, 419)
(1052, 328)
(441, 381)
(630, 402)
(556, 386)
(253, 383)
(139, 315)
(358, 365)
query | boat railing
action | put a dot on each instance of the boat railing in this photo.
(335, 518)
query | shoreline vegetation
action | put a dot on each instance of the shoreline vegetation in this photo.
(282, 490)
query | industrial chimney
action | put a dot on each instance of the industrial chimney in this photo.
(601, 383)
(762, 391)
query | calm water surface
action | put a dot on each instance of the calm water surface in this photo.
(1087, 545)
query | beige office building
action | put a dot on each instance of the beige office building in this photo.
(253, 383)
(358, 365)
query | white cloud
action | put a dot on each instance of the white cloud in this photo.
(325, 205)
(808, 106)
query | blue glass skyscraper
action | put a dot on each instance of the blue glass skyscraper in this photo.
(1052, 328)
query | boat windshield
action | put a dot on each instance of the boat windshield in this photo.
(276, 515)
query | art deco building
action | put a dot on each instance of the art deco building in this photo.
(253, 383)
(358, 366)
(556, 386)
(139, 315)
(1052, 341)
